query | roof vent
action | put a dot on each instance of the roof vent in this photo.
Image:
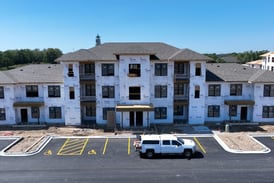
(21, 70)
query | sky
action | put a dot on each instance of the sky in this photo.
(205, 26)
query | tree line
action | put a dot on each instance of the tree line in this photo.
(242, 57)
(9, 58)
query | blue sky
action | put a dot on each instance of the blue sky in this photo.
(205, 26)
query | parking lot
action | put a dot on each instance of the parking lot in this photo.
(84, 159)
(112, 147)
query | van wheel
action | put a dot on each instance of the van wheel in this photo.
(188, 153)
(150, 154)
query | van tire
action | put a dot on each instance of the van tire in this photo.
(188, 153)
(150, 153)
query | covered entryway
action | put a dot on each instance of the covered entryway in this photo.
(243, 107)
(28, 112)
(134, 115)
(136, 118)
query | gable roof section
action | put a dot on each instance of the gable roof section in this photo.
(187, 54)
(34, 73)
(232, 72)
(109, 51)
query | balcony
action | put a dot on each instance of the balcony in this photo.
(87, 77)
(181, 77)
(180, 97)
(88, 98)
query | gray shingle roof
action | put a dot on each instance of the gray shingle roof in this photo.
(232, 72)
(34, 73)
(108, 52)
(187, 54)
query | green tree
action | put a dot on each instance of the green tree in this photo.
(51, 54)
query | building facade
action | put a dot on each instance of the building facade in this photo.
(268, 61)
(135, 85)
(32, 94)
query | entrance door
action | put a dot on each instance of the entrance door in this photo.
(24, 116)
(136, 118)
(243, 113)
(139, 118)
(131, 119)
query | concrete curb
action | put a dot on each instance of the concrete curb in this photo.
(226, 148)
(46, 140)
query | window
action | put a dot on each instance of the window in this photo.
(272, 59)
(197, 92)
(70, 70)
(134, 93)
(268, 111)
(71, 93)
(54, 91)
(160, 91)
(213, 111)
(35, 113)
(151, 142)
(166, 142)
(32, 91)
(105, 110)
(1, 92)
(91, 110)
(108, 91)
(233, 110)
(178, 110)
(107, 69)
(179, 68)
(134, 70)
(179, 89)
(160, 112)
(2, 114)
(235, 90)
(268, 90)
(160, 69)
(214, 90)
(55, 113)
(89, 68)
(176, 143)
(197, 69)
(90, 89)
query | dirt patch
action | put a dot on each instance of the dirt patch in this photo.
(240, 141)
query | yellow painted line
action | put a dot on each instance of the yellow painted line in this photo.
(73, 147)
(199, 144)
(84, 146)
(63, 146)
(105, 146)
(128, 147)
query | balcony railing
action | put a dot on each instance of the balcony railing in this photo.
(84, 76)
(181, 76)
(87, 98)
(180, 97)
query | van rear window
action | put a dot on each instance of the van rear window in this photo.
(151, 142)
